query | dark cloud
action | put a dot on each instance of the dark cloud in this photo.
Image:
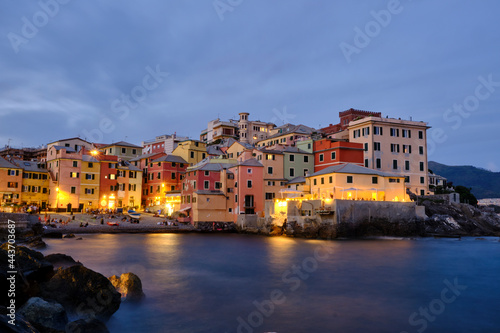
(262, 56)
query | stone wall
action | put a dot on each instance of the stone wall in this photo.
(22, 220)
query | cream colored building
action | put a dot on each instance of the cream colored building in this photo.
(396, 146)
(251, 131)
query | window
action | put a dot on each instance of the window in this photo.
(315, 181)
(74, 175)
(292, 158)
(366, 131)
(110, 150)
(124, 150)
(406, 133)
(158, 176)
(191, 154)
(422, 180)
(421, 135)
(407, 165)
(321, 158)
(305, 172)
(218, 185)
(322, 180)
(270, 157)
(236, 198)
(12, 184)
(134, 151)
(249, 183)
(349, 179)
(376, 146)
(377, 130)
(270, 170)
(75, 164)
(366, 163)
(206, 184)
(230, 210)
(173, 175)
(394, 148)
(292, 172)
(330, 179)
(249, 170)
(73, 190)
(203, 155)
(406, 149)
(407, 179)
(194, 185)
(395, 132)
(269, 196)
(121, 173)
(306, 159)
(421, 150)
(333, 155)
(375, 180)
(91, 165)
(158, 189)
(357, 133)
(421, 166)
(395, 164)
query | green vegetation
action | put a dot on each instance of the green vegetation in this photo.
(483, 183)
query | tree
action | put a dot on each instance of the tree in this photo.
(465, 195)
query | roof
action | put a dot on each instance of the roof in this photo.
(122, 144)
(76, 138)
(140, 157)
(297, 180)
(89, 158)
(270, 151)
(68, 149)
(251, 162)
(296, 150)
(169, 158)
(6, 164)
(289, 128)
(29, 166)
(205, 165)
(355, 169)
(214, 150)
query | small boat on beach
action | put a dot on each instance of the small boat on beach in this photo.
(133, 214)
(113, 224)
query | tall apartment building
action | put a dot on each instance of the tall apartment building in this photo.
(286, 135)
(252, 131)
(218, 130)
(395, 146)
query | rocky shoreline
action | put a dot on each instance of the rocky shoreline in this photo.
(56, 294)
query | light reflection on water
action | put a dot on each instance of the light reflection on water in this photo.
(203, 283)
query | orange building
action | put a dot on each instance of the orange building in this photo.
(328, 152)
(11, 180)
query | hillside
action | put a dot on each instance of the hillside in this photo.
(484, 183)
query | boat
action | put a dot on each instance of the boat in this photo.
(133, 214)
(114, 224)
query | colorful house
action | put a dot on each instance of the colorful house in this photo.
(35, 185)
(10, 184)
(329, 152)
(191, 151)
(89, 182)
(122, 150)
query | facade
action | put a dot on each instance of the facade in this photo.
(10, 184)
(35, 184)
(219, 130)
(248, 191)
(252, 131)
(64, 166)
(396, 146)
(162, 144)
(89, 182)
(163, 175)
(74, 143)
(345, 118)
(353, 182)
(273, 162)
(122, 150)
(191, 151)
(296, 162)
(328, 152)
(286, 135)
(25, 154)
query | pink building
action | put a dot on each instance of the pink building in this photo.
(248, 192)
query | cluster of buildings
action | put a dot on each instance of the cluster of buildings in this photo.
(237, 167)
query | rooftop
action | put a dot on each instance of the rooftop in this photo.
(354, 169)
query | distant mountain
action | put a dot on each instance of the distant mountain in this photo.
(484, 183)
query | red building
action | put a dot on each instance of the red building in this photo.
(108, 183)
(346, 117)
(328, 152)
(162, 176)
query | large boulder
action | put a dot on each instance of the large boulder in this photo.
(45, 316)
(128, 285)
(31, 263)
(89, 325)
(59, 260)
(82, 292)
(35, 242)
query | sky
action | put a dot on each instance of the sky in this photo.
(128, 70)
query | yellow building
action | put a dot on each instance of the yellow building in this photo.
(89, 182)
(35, 184)
(123, 150)
(353, 182)
(192, 151)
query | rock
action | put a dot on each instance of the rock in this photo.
(36, 242)
(128, 285)
(79, 238)
(69, 236)
(59, 260)
(45, 316)
(37, 228)
(82, 292)
(90, 325)
(22, 325)
(276, 231)
(32, 263)
(53, 234)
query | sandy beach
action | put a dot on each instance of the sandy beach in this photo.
(148, 224)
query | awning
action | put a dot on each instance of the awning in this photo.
(184, 209)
